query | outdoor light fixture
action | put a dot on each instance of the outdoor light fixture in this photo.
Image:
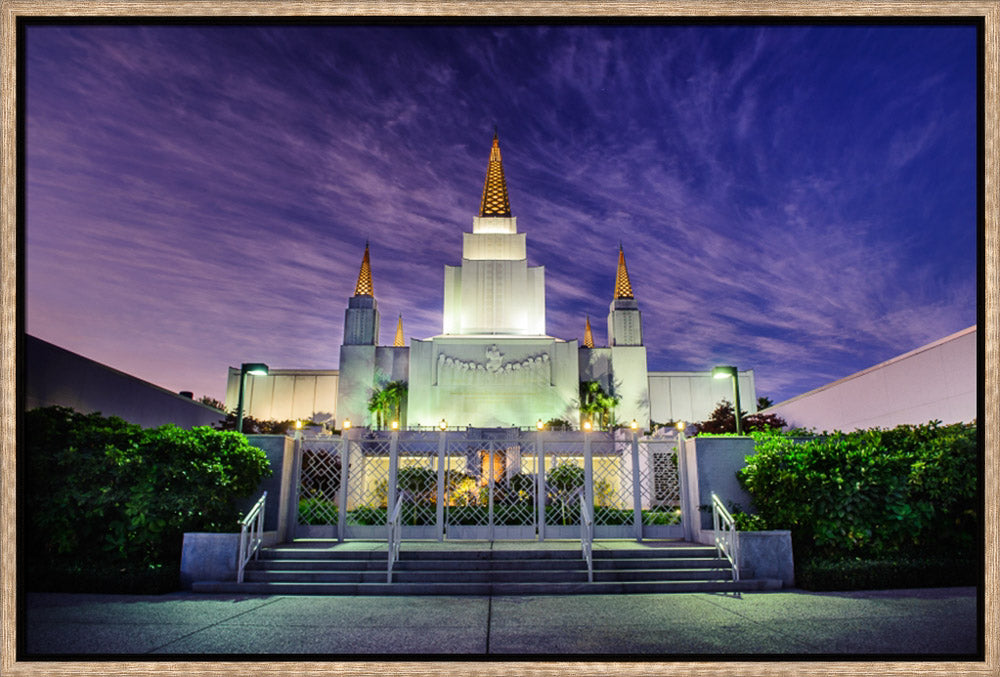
(255, 368)
(587, 426)
(346, 425)
(395, 425)
(634, 425)
(727, 371)
(681, 425)
(540, 425)
(443, 425)
(298, 424)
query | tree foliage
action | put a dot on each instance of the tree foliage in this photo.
(212, 402)
(102, 490)
(869, 493)
(386, 402)
(597, 404)
(723, 421)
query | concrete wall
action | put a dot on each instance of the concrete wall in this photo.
(56, 376)
(935, 382)
(692, 396)
(711, 464)
(286, 394)
(276, 447)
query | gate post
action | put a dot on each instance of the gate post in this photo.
(292, 524)
(345, 461)
(540, 483)
(588, 471)
(689, 507)
(636, 488)
(440, 486)
(492, 460)
(393, 473)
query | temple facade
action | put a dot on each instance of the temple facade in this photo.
(493, 364)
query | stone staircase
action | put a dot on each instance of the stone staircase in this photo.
(310, 568)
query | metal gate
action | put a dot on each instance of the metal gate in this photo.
(492, 484)
(490, 487)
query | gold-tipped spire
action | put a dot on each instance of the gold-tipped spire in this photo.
(400, 341)
(495, 201)
(623, 288)
(588, 336)
(364, 286)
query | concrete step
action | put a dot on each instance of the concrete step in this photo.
(460, 576)
(332, 553)
(568, 588)
(483, 564)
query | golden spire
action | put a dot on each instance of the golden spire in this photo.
(364, 286)
(588, 336)
(495, 202)
(400, 341)
(623, 288)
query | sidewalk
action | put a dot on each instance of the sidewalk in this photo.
(939, 623)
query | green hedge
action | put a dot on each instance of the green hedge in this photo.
(873, 494)
(104, 496)
(901, 572)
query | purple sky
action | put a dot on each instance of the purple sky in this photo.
(799, 200)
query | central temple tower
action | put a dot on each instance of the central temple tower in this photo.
(493, 364)
(494, 291)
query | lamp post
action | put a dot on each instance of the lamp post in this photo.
(723, 372)
(255, 368)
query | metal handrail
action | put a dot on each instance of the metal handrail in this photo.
(395, 535)
(587, 536)
(250, 543)
(727, 539)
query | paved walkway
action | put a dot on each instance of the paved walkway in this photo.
(938, 623)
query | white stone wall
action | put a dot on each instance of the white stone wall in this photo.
(692, 396)
(935, 382)
(286, 394)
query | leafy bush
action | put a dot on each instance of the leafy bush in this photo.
(871, 494)
(108, 494)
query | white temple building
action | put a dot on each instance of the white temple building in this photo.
(493, 364)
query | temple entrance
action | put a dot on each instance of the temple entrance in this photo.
(485, 484)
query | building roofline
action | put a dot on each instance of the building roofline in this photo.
(898, 358)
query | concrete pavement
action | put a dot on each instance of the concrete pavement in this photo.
(938, 622)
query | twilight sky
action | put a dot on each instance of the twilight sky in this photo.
(799, 200)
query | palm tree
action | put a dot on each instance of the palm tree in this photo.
(377, 406)
(597, 405)
(386, 403)
(395, 393)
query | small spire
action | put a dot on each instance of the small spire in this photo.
(400, 341)
(623, 287)
(588, 335)
(495, 201)
(364, 286)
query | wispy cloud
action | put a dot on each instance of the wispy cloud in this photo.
(799, 200)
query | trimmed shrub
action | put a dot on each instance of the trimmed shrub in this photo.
(104, 495)
(870, 494)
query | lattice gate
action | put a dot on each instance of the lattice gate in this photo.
(487, 485)
(319, 472)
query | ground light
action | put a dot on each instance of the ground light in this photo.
(254, 369)
(723, 372)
